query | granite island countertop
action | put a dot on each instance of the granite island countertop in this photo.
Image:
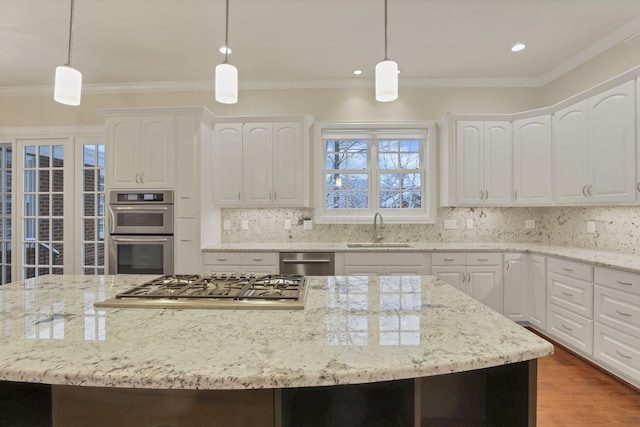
(352, 330)
(599, 258)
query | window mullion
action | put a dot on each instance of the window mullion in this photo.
(374, 178)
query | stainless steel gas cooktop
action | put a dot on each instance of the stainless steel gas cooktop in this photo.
(232, 291)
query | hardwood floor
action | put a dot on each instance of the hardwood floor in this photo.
(573, 393)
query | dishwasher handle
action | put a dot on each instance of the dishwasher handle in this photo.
(306, 261)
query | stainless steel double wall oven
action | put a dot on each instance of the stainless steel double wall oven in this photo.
(141, 232)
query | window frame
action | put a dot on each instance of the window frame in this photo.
(424, 215)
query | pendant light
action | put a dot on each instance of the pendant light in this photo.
(386, 72)
(226, 85)
(68, 82)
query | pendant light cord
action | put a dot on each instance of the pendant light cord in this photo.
(70, 35)
(385, 30)
(226, 33)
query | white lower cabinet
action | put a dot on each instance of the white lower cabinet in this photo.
(570, 304)
(478, 274)
(258, 263)
(617, 322)
(386, 263)
(537, 291)
(619, 351)
(570, 329)
(515, 286)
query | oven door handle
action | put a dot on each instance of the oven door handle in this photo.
(140, 240)
(140, 208)
(112, 221)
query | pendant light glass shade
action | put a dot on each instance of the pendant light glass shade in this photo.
(226, 83)
(386, 81)
(68, 85)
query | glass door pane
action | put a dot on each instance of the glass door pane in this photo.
(93, 209)
(6, 177)
(43, 209)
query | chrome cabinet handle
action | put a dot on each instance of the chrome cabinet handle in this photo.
(256, 259)
(238, 195)
(566, 327)
(567, 269)
(508, 265)
(589, 190)
(567, 294)
(448, 259)
(137, 178)
(584, 191)
(481, 195)
(483, 259)
(487, 196)
(638, 186)
(622, 313)
(275, 195)
(516, 195)
(623, 355)
(269, 195)
(624, 283)
(221, 259)
(469, 281)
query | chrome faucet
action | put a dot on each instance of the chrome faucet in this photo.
(377, 232)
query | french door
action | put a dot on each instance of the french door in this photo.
(59, 214)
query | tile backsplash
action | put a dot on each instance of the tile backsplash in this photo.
(617, 228)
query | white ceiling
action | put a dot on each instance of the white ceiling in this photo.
(307, 43)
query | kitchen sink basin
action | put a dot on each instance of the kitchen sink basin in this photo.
(378, 245)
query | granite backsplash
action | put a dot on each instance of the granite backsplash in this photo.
(617, 228)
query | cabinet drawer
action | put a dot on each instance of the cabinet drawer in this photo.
(448, 258)
(221, 258)
(484, 258)
(258, 258)
(571, 269)
(571, 329)
(571, 294)
(383, 258)
(623, 281)
(258, 270)
(617, 309)
(617, 350)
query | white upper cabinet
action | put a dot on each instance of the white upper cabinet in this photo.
(612, 145)
(571, 153)
(257, 166)
(483, 162)
(227, 164)
(532, 159)
(595, 148)
(260, 164)
(140, 151)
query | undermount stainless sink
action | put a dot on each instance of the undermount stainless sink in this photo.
(378, 245)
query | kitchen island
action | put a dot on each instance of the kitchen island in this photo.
(427, 351)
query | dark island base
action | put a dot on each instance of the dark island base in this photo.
(503, 396)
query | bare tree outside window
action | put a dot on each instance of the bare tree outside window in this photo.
(347, 180)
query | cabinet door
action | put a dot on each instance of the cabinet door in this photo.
(497, 163)
(571, 154)
(515, 287)
(156, 152)
(532, 161)
(257, 178)
(123, 137)
(227, 164)
(288, 162)
(486, 285)
(453, 275)
(469, 173)
(612, 144)
(537, 294)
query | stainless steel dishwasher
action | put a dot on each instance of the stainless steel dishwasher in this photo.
(308, 263)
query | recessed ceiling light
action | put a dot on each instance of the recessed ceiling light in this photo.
(357, 72)
(518, 47)
(225, 49)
